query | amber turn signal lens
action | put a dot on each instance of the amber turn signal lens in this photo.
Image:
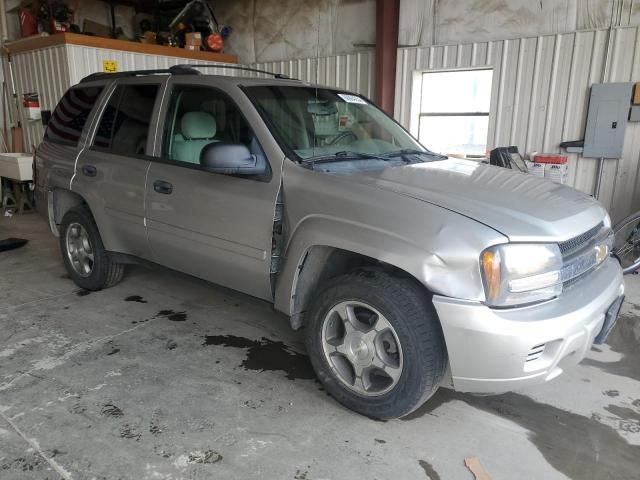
(491, 267)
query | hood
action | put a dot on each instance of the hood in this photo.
(520, 206)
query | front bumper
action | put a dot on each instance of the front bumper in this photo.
(499, 350)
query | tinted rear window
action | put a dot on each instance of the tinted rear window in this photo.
(71, 114)
(125, 122)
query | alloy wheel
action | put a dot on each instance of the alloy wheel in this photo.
(362, 348)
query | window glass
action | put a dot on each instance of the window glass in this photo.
(199, 116)
(125, 122)
(456, 134)
(315, 122)
(454, 111)
(70, 116)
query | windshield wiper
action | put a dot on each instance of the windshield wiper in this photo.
(413, 151)
(345, 156)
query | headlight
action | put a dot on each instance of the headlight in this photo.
(606, 222)
(518, 273)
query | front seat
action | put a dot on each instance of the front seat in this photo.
(198, 130)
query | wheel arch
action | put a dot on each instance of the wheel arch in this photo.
(324, 249)
(60, 201)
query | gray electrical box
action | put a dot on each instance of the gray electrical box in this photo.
(607, 120)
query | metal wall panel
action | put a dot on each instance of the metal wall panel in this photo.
(540, 98)
(84, 61)
(352, 71)
(51, 71)
(40, 71)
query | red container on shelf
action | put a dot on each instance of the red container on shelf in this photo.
(554, 158)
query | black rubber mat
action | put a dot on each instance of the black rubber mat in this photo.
(12, 243)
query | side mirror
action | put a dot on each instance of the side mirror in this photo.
(230, 159)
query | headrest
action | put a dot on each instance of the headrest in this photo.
(198, 126)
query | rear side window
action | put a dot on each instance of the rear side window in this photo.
(124, 125)
(71, 114)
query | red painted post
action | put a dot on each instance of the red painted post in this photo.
(387, 18)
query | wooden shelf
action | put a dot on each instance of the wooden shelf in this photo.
(38, 42)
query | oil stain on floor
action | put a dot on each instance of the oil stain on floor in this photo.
(578, 446)
(135, 298)
(428, 470)
(172, 315)
(266, 354)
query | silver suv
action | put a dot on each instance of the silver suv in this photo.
(408, 270)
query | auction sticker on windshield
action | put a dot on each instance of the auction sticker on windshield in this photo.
(352, 98)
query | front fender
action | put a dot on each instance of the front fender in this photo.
(446, 262)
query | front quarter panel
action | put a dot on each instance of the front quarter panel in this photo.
(438, 247)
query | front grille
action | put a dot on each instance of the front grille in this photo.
(570, 283)
(576, 243)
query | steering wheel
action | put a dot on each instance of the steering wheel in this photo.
(342, 136)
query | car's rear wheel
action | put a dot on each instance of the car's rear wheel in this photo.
(83, 253)
(376, 344)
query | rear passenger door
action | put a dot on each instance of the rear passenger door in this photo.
(214, 226)
(111, 171)
(63, 139)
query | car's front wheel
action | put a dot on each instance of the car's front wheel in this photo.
(376, 344)
(84, 254)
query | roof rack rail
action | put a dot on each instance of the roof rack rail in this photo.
(280, 76)
(182, 69)
(175, 70)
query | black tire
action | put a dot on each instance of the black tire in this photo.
(408, 307)
(105, 273)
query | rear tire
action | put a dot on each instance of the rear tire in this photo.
(83, 253)
(393, 380)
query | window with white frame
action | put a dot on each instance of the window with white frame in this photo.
(454, 111)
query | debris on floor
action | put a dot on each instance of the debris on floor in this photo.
(478, 470)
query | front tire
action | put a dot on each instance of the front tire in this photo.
(84, 254)
(375, 343)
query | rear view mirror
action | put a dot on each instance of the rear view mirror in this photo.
(230, 159)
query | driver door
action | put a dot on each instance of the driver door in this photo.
(213, 226)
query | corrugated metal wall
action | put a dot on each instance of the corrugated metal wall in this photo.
(540, 90)
(84, 61)
(51, 71)
(39, 71)
(349, 71)
(540, 98)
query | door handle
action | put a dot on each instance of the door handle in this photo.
(89, 170)
(161, 186)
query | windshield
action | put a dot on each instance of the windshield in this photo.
(318, 123)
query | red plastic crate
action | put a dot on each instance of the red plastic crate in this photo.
(555, 158)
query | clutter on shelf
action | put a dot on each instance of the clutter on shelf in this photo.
(190, 25)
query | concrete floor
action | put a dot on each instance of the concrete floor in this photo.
(168, 377)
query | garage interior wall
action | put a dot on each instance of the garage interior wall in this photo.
(540, 98)
(443, 22)
(51, 71)
(268, 30)
(533, 47)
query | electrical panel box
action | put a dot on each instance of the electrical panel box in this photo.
(607, 120)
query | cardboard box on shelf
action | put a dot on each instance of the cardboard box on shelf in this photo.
(150, 38)
(536, 169)
(96, 29)
(193, 38)
(555, 172)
